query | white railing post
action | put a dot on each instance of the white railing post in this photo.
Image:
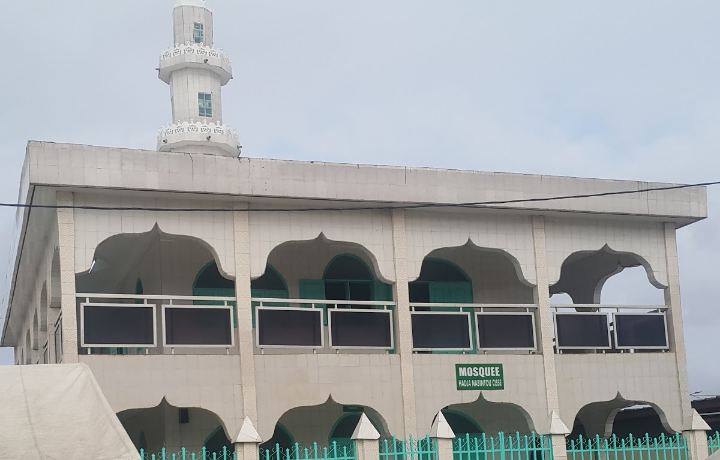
(558, 434)
(247, 441)
(443, 435)
(695, 433)
(366, 440)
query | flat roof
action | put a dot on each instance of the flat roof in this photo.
(84, 166)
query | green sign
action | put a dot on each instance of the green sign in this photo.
(479, 377)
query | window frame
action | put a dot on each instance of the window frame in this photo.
(199, 32)
(205, 108)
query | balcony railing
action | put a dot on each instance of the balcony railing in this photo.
(131, 323)
(300, 323)
(156, 324)
(595, 327)
(467, 328)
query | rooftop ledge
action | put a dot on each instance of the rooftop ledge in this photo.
(73, 165)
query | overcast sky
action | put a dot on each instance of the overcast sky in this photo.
(606, 89)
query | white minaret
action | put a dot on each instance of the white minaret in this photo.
(196, 72)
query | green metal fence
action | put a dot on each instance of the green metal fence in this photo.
(630, 448)
(714, 442)
(503, 447)
(410, 449)
(185, 454)
(296, 452)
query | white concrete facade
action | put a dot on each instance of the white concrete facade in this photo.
(498, 247)
(160, 247)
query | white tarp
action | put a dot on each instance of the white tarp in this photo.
(58, 412)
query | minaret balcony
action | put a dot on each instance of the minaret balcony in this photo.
(184, 134)
(197, 56)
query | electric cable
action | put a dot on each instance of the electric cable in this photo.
(475, 204)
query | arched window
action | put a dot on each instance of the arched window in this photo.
(218, 443)
(211, 282)
(142, 442)
(271, 285)
(281, 439)
(341, 433)
(461, 424)
(464, 427)
(441, 281)
(346, 277)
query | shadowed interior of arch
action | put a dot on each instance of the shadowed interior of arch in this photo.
(620, 417)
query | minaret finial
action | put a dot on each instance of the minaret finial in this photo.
(196, 72)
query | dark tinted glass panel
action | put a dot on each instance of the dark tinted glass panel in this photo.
(289, 327)
(505, 331)
(198, 326)
(360, 291)
(118, 325)
(640, 331)
(440, 331)
(336, 290)
(419, 292)
(582, 330)
(360, 329)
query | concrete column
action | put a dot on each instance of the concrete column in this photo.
(53, 314)
(403, 331)
(66, 249)
(675, 333)
(247, 441)
(245, 451)
(367, 450)
(366, 440)
(443, 436)
(558, 434)
(697, 441)
(52, 296)
(542, 299)
(445, 449)
(244, 312)
(695, 433)
(559, 447)
(34, 334)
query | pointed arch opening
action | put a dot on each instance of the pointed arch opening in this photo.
(620, 417)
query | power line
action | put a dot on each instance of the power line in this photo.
(476, 204)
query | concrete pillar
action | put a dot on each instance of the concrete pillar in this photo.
(34, 334)
(66, 249)
(675, 325)
(697, 441)
(443, 436)
(54, 309)
(244, 311)
(558, 433)
(247, 441)
(366, 440)
(542, 300)
(403, 331)
(695, 433)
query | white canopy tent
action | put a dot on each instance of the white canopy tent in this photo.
(50, 412)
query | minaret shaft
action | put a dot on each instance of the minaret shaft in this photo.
(196, 73)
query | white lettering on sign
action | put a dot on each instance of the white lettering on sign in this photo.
(472, 371)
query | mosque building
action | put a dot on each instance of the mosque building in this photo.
(221, 300)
